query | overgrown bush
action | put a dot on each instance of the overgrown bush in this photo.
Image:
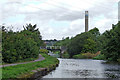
(65, 55)
(86, 55)
(79, 56)
(21, 45)
(43, 51)
(84, 43)
(100, 57)
(111, 49)
(118, 60)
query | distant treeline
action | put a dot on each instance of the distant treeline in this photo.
(92, 42)
(22, 44)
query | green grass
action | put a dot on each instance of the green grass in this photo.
(100, 57)
(79, 56)
(56, 52)
(16, 71)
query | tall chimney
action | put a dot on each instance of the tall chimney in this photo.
(119, 11)
(86, 21)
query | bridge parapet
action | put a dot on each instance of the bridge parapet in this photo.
(53, 47)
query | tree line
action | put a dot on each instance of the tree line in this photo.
(92, 42)
(21, 45)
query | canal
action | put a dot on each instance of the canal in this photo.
(84, 68)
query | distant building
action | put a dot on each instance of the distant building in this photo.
(50, 42)
(119, 11)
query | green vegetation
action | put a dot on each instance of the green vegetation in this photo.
(111, 47)
(92, 42)
(118, 60)
(43, 51)
(63, 42)
(79, 56)
(56, 52)
(21, 45)
(84, 43)
(21, 69)
(0, 53)
(100, 57)
(65, 55)
(86, 55)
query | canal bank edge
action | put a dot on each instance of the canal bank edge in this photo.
(38, 73)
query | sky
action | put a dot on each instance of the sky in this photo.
(59, 18)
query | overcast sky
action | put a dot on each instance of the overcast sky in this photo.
(59, 18)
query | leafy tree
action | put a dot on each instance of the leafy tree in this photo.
(111, 48)
(89, 46)
(78, 44)
(20, 45)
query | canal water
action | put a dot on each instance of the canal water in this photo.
(84, 68)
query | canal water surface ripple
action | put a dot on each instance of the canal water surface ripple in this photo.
(84, 68)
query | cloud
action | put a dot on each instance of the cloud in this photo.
(76, 27)
(42, 12)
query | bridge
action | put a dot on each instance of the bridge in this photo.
(56, 48)
(53, 47)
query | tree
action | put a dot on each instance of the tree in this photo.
(20, 45)
(89, 46)
(111, 48)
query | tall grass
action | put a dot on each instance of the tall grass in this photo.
(86, 55)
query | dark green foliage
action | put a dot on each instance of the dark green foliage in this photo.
(95, 32)
(63, 42)
(83, 43)
(92, 41)
(20, 45)
(65, 55)
(100, 57)
(111, 49)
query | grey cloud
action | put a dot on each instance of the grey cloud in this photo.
(70, 16)
(60, 14)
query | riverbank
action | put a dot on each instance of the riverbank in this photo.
(30, 70)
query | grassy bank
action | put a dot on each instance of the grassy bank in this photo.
(86, 55)
(100, 57)
(96, 56)
(18, 70)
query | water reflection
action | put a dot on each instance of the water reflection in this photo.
(84, 68)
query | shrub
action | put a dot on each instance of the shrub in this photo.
(118, 60)
(43, 51)
(21, 45)
(86, 55)
(79, 56)
(100, 57)
(18, 47)
(65, 55)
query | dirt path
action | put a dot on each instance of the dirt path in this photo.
(39, 59)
